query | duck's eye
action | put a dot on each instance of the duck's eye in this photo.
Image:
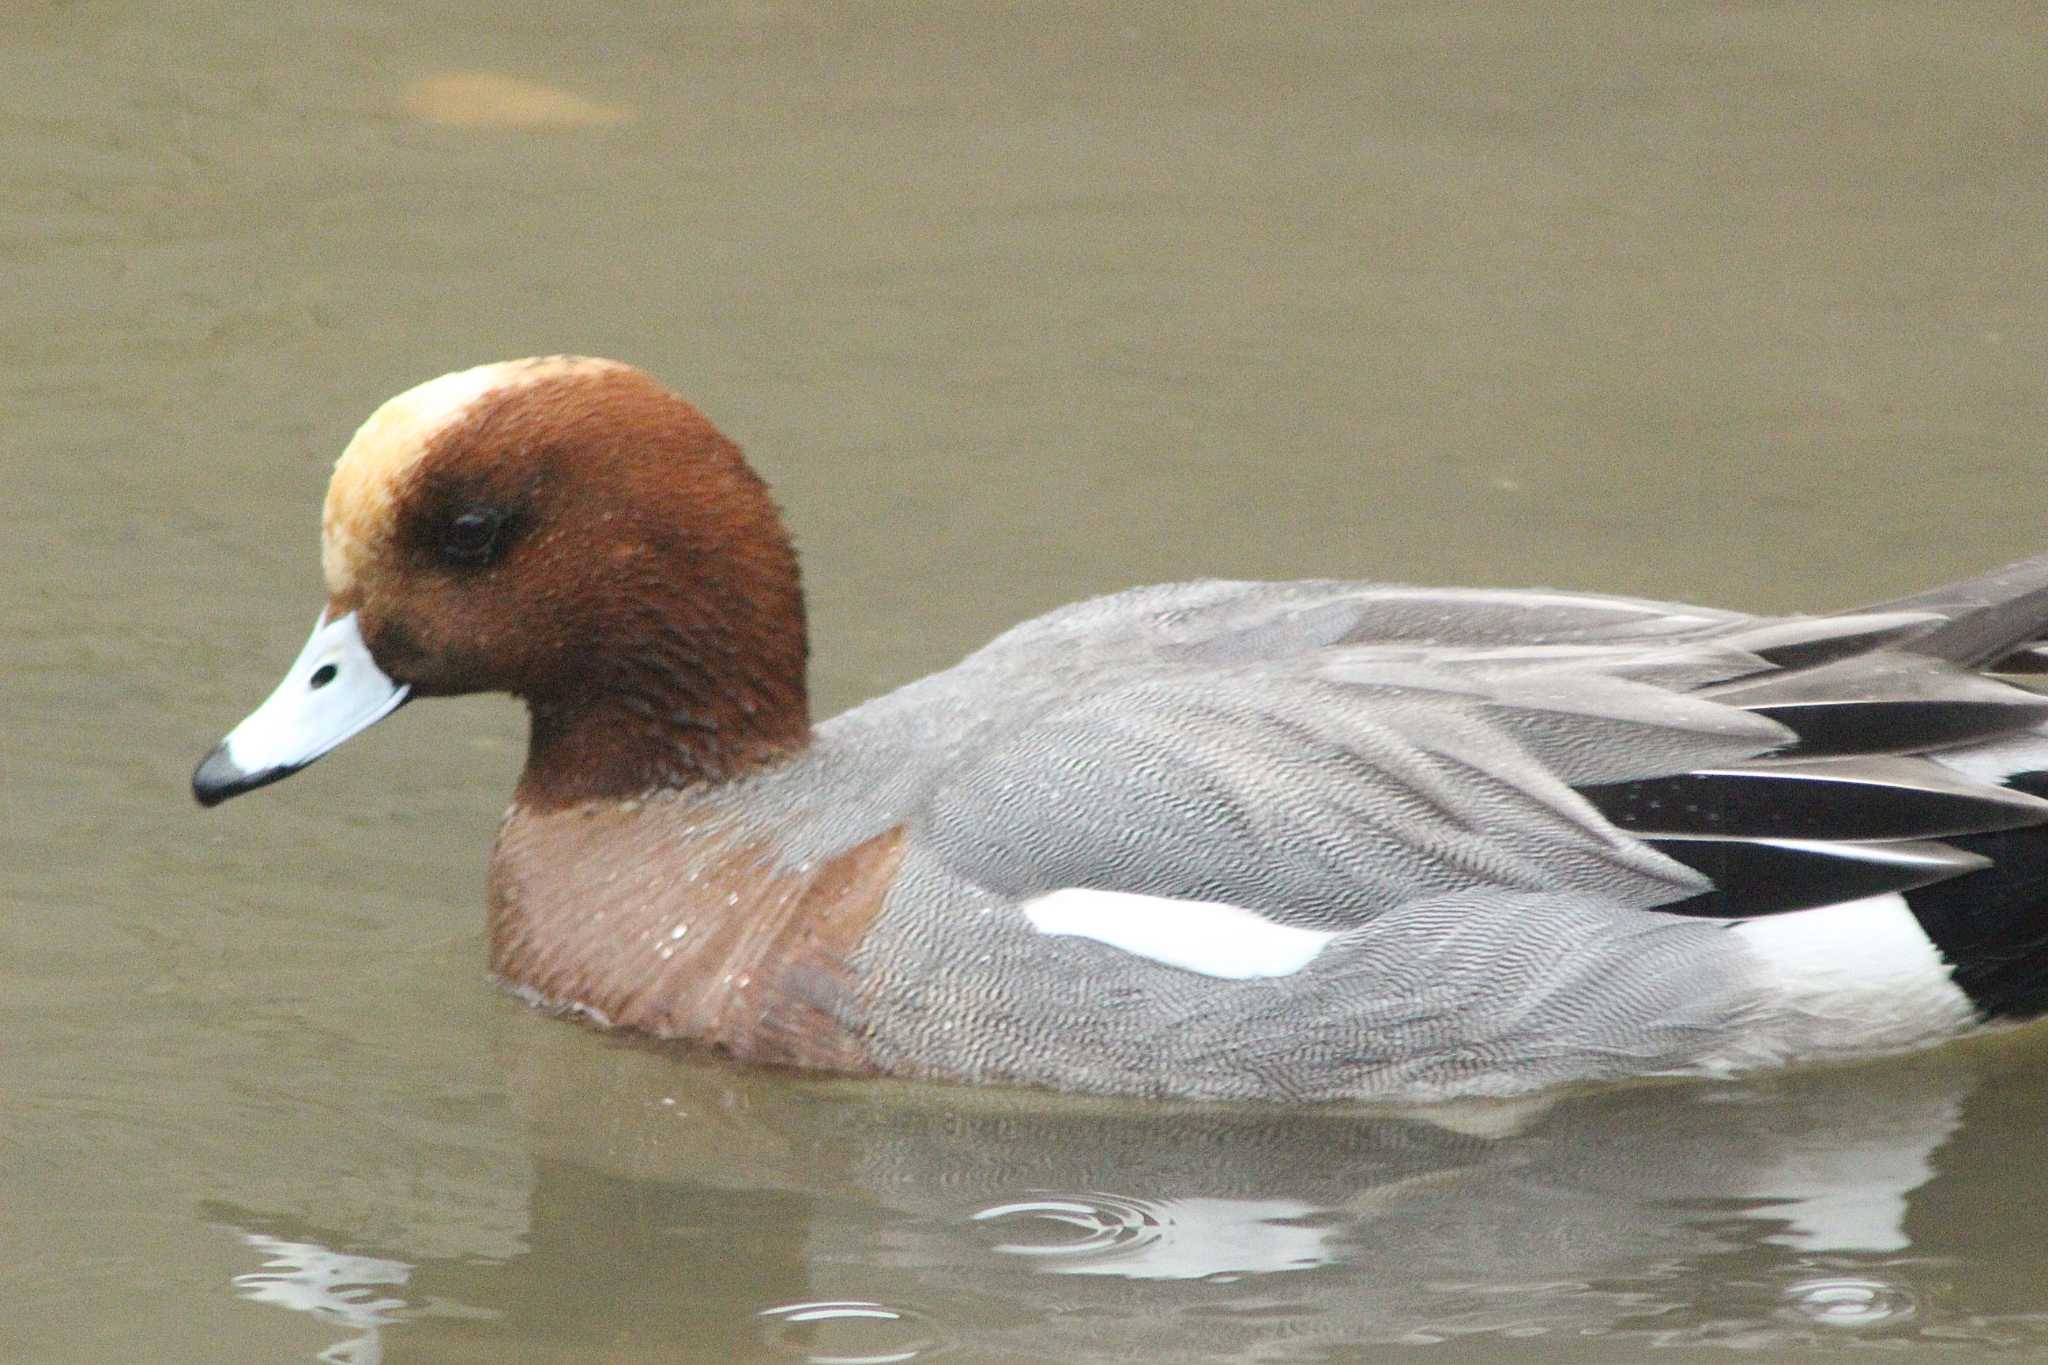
(473, 536)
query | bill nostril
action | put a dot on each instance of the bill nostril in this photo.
(322, 676)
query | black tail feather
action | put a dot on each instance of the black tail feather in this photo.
(1992, 925)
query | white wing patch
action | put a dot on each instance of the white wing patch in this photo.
(1207, 937)
(1861, 977)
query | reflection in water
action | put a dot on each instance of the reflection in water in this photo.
(676, 1203)
(1844, 1187)
(707, 1206)
(334, 1288)
(342, 1291)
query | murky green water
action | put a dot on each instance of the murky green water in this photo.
(1013, 303)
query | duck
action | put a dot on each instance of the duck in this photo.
(1213, 840)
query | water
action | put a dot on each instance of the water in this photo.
(1012, 304)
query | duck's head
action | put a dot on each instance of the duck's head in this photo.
(566, 530)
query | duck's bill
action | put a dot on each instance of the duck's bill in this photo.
(334, 689)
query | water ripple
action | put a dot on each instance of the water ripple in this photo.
(1850, 1301)
(849, 1332)
(1084, 1226)
(1197, 1238)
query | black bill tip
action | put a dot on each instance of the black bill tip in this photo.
(218, 777)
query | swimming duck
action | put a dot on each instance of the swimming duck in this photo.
(1227, 840)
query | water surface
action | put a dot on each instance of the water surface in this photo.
(1737, 303)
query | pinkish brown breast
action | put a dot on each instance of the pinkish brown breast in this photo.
(657, 917)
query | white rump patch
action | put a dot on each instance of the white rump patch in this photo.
(1861, 977)
(1208, 937)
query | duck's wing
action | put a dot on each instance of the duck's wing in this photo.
(1319, 796)
(1326, 758)
(1323, 840)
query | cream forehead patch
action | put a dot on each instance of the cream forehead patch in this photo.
(372, 468)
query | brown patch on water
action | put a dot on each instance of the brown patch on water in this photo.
(492, 99)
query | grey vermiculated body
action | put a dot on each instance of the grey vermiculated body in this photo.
(1395, 764)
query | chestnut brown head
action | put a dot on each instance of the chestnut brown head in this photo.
(566, 530)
